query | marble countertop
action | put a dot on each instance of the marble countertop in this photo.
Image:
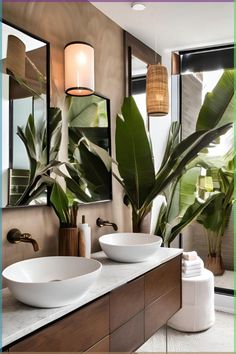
(20, 320)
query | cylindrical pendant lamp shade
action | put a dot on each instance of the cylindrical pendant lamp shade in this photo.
(79, 69)
(157, 90)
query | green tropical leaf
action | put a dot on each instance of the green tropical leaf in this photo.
(86, 118)
(217, 102)
(55, 126)
(191, 213)
(95, 173)
(133, 152)
(187, 189)
(211, 216)
(173, 140)
(169, 172)
(100, 152)
(60, 203)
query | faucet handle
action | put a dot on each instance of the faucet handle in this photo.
(14, 236)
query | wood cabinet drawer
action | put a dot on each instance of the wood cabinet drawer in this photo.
(162, 279)
(101, 347)
(160, 311)
(125, 302)
(130, 336)
(74, 333)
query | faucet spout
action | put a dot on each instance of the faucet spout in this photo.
(101, 223)
(15, 236)
(28, 239)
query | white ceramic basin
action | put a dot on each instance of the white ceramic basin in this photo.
(130, 247)
(51, 281)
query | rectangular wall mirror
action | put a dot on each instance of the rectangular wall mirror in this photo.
(137, 57)
(25, 103)
(89, 143)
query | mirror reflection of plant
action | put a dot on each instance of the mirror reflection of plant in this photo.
(93, 166)
(87, 119)
(36, 145)
(87, 112)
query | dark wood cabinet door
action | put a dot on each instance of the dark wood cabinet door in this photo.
(125, 302)
(101, 347)
(74, 333)
(160, 311)
(162, 279)
(130, 336)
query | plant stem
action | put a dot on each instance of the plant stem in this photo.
(136, 221)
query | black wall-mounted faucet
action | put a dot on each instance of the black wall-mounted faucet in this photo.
(15, 236)
(101, 223)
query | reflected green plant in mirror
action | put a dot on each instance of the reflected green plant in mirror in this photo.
(35, 141)
(89, 144)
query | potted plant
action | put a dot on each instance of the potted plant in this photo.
(134, 154)
(66, 210)
(206, 199)
(216, 215)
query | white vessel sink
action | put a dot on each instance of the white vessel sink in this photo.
(51, 281)
(130, 247)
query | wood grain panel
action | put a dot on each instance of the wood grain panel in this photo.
(125, 302)
(162, 279)
(101, 347)
(69, 242)
(159, 312)
(76, 332)
(130, 336)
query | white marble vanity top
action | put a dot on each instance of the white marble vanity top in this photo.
(20, 320)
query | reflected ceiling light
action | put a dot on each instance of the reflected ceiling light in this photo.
(138, 6)
(157, 94)
(79, 69)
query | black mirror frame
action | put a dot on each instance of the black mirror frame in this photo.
(3, 21)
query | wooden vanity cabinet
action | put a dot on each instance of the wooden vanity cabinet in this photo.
(74, 333)
(120, 321)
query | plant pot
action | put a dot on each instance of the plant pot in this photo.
(215, 264)
(68, 242)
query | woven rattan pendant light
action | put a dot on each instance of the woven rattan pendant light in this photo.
(157, 90)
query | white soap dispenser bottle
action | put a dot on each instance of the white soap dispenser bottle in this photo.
(84, 239)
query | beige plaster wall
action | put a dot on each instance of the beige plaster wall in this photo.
(60, 23)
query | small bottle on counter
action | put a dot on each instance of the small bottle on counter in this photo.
(84, 239)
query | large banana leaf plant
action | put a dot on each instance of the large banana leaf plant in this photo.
(218, 106)
(134, 153)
